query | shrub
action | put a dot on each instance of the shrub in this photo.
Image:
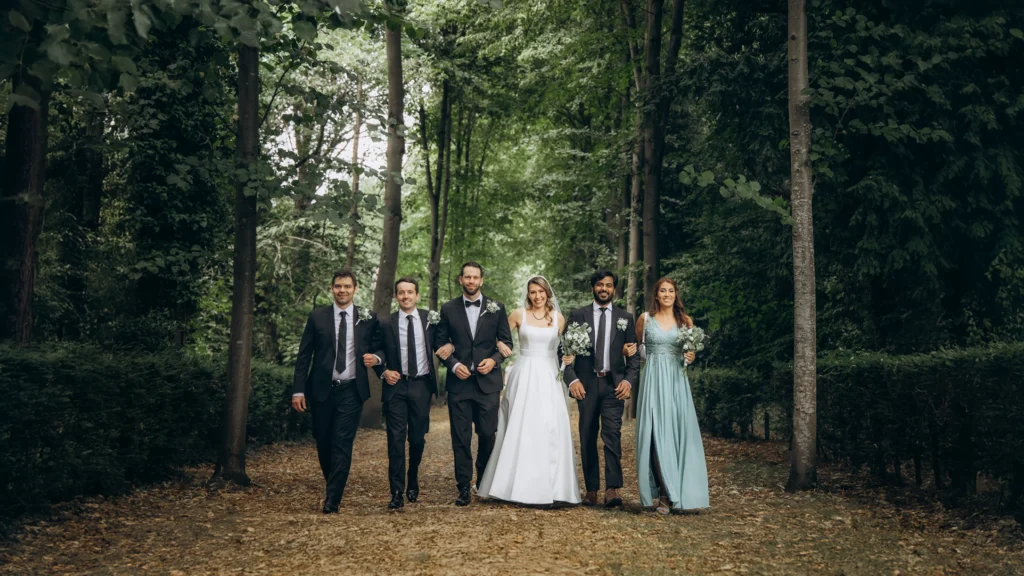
(75, 420)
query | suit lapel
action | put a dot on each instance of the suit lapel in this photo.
(588, 315)
(461, 305)
(426, 336)
(396, 319)
(332, 321)
(479, 317)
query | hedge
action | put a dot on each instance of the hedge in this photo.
(947, 415)
(75, 420)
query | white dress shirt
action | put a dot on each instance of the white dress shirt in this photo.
(422, 369)
(473, 315)
(349, 373)
(608, 322)
(473, 312)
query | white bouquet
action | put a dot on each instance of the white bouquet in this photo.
(691, 339)
(576, 340)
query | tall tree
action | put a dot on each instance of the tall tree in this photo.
(438, 194)
(635, 238)
(659, 88)
(803, 458)
(350, 257)
(23, 203)
(231, 464)
(384, 291)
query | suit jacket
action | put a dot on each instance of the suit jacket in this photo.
(622, 368)
(491, 328)
(318, 347)
(391, 351)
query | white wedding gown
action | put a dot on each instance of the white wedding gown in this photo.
(533, 461)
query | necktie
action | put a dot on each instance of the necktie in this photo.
(410, 339)
(472, 303)
(602, 352)
(341, 361)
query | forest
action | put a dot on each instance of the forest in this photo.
(181, 178)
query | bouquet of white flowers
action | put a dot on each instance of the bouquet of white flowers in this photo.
(576, 340)
(691, 339)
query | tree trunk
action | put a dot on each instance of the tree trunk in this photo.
(622, 213)
(652, 151)
(22, 206)
(350, 257)
(438, 196)
(385, 290)
(802, 473)
(634, 247)
(231, 465)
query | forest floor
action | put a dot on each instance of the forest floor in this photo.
(275, 527)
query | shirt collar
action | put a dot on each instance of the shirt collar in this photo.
(479, 298)
(338, 309)
(597, 307)
(402, 315)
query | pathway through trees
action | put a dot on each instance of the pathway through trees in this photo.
(275, 526)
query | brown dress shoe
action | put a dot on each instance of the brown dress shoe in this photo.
(590, 499)
(611, 498)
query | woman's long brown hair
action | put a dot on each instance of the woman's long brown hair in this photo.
(678, 310)
(549, 306)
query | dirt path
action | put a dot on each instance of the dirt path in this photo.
(276, 527)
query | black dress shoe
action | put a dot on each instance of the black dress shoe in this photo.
(396, 501)
(464, 496)
(412, 494)
(330, 506)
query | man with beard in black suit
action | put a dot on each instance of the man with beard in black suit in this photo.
(474, 325)
(601, 383)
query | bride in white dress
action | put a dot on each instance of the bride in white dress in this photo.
(533, 461)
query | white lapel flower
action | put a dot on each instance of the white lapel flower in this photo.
(433, 317)
(492, 307)
(363, 314)
(622, 324)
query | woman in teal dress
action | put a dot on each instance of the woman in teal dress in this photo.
(669, 451)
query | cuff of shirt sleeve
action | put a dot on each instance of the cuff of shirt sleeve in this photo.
(456, 367)
(298, 395)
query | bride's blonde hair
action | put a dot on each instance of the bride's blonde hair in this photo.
(549, 306)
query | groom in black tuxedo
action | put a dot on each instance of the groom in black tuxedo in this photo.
(410, 379)
(473, 324)
(601, 383)
(334, 341)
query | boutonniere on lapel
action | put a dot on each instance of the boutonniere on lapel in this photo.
(492, 307)
(622, 324)
(364, 314)
(433, 317)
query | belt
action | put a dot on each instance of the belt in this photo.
(604, 374)
(340, 383)
(411, 378)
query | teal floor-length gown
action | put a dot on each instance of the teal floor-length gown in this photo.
(667, 418)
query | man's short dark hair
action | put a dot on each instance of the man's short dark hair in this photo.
(344, 274)
(601, 275)
(407, 280)
(471, 264)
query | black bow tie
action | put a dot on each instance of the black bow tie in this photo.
(472, 303)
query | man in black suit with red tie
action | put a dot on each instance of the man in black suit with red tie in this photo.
(410, 379)
(473, 324)
(334, 341)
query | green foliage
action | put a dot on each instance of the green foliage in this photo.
(952, 413)
(76, 420)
